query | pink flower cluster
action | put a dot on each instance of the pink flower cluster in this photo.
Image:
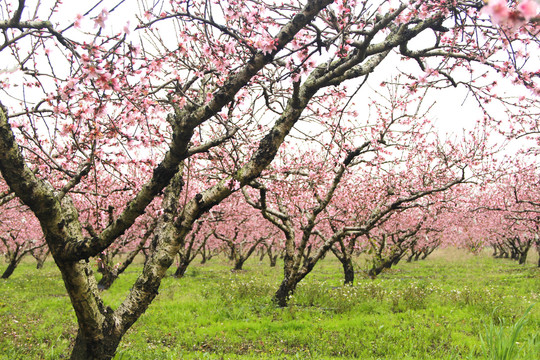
(99, 21)
(502, 15)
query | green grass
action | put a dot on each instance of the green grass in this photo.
(450, 306)
(501, 344)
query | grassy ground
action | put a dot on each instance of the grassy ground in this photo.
(439, 308)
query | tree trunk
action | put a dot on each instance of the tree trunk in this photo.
(239, 263)
(99, 330)
(273, 260)
(514, 254)
(11, 267)
(40, 258)
(262, 254)
(374, 271)
(41, 261)
(98, 349)
(348, 271)
(107, 280)
(181, 269)
(290, 281)
(523, 257)
(284, 292)
(204, 255)
(378, 267)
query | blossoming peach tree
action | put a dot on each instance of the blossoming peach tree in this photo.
(19, 235)
(94, 106)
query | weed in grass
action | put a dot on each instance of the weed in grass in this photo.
(501, 343)
(238, 289)
(532, 345)
(372, 290)
(411, 297)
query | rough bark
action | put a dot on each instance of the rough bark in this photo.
(99, 349)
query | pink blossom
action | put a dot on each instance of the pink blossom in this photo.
(61, 109)
(498, 10)
(115, 84)
(207, 51)
(501, 14)
(265, 44)
(94, 72)
(77, 22)
(231, 14)
(126, 28)
(528, 9)
(101, 18)
(234, 184)
(229, 48)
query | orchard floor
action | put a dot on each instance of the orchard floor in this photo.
(439, 308)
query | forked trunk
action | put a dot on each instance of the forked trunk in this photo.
(99, 334)
(40, 258)
(377, 268)
(374, 271)
(40, 262)
(204, 255)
